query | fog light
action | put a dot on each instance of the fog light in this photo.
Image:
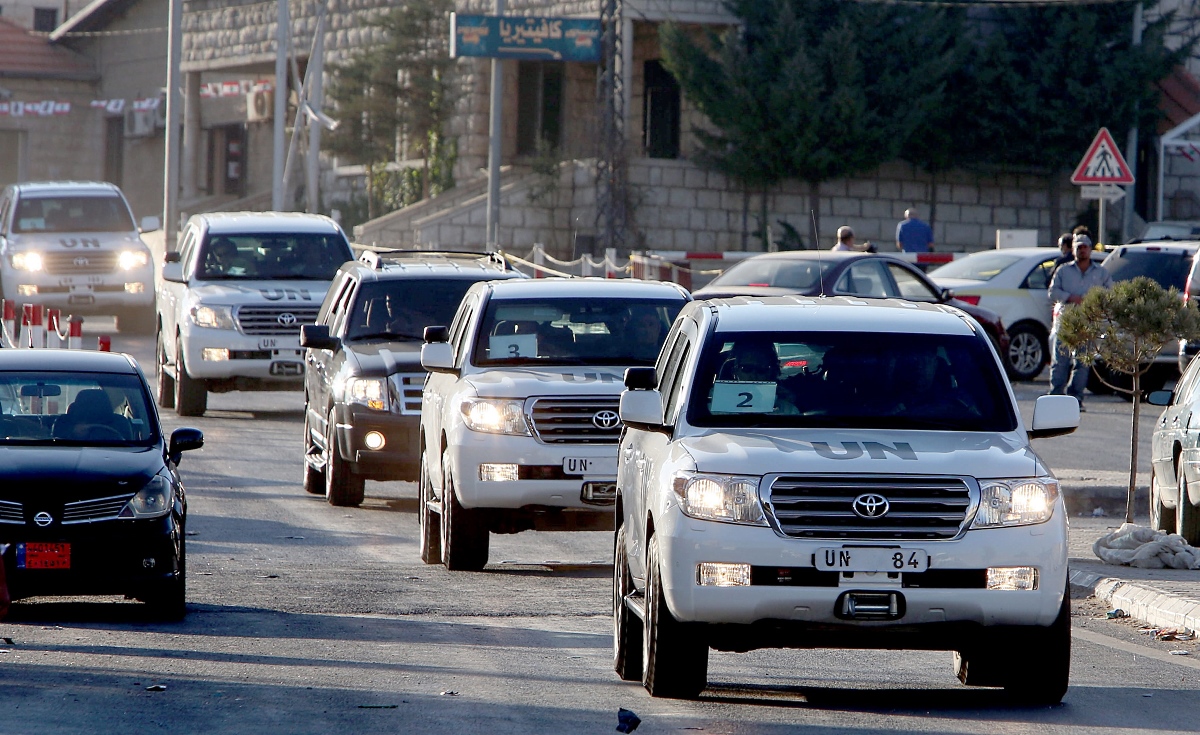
(720, 574)
(497, 472)
(1012, 578)
(374, 440)
(25, 289)
(214, 354)
(135, 288)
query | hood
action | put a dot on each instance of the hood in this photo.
(49, 476)
(981, 455)
(565, 380)
(77, 242)
(293, 293)
(374, 358)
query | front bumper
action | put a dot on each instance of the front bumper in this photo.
(106, 558)
(469, 449)
(953, 596)
(244, 361)
(400, 456)
(101, 293)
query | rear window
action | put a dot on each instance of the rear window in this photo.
(1169, 268)
(850, 380)
(273, 256)
(402, 308)
(72, 214)
(801, 275)
(981, 267)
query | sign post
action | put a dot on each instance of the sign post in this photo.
(1102, 169)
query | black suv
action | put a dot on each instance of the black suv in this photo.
(362, 368)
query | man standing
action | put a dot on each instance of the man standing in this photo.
(1068, 286)
(913, 235)
(845, 239)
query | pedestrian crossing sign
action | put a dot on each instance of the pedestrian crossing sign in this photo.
(1103, 163)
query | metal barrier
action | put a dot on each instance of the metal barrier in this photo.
(41, 328)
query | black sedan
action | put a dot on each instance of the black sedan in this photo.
(90, 498)
(842, 273)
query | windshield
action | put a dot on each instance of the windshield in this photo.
(102, 409)
(1167, 268)
(263, 256)
(850, 380)
(401, 309)
(800, 275)
(981, 267)
(72, 214)
(1170, 231)
(574, 331)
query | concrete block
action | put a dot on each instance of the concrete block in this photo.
(962, 194)
(672, 177)
(915, 192)
(991, 196)
(1014, 198)
(976, 215)
(708, 199)
(957, 236)
(1005, 216)
(695, 178)
(656, 173)
(1036, 198)
(697, 219)
(684, 198)
(862, 188)
(846, 207)
(879, 209)
(674, 218)
(889, 189)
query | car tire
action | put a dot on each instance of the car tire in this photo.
(1187, 516)
(674, 654)
(314, 479)
(164, 383)
(169, 601)
(430, 522)
(191, 397)
(1027, 351)
(343, 488)
(1041, 684)
(627, 629)
(1161, 517)
(465, 538)
(137, 321)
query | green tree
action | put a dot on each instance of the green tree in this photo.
(1127, 327)
(395, 99)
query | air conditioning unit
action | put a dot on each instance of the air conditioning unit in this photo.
(160, 112)
(260, 105)
(139, 123)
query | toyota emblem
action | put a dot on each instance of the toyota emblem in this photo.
(286, 319)
(43, 519)
(870, 505)
(606, 419)
(80, 261)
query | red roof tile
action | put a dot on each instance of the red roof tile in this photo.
(1180, 98)
(26, 54)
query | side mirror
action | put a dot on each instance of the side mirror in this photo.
(642, 409)
(1159, 398)
(173, 272)
(172, 256)
(1054, 416)
(641, 378)
(184, 440)
(438, 357)
(316, 336)
(150, 224)
(946, 295)
(436, 334)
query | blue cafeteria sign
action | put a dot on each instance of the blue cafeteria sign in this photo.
(516, 37)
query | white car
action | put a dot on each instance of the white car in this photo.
(1175, 458)
(837, 473)
(519, 424)
(73, 245)
(232, 299)
(1014, 283)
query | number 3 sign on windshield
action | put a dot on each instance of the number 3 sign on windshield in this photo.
(506, 346)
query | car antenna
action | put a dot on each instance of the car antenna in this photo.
(817, 245)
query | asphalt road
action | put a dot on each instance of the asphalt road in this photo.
(304, 618)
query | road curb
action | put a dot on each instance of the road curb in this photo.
(1084, 499)
(1143, 602)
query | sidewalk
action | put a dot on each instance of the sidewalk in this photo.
(1165, 598)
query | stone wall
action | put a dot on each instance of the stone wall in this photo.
(58, 146)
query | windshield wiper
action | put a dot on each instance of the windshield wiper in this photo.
(390, 335)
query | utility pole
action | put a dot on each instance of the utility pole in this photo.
(171, 167)
(496, 127)
(282, 34)
(612, 215)
(1131, 144)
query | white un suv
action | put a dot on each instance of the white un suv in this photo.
(837, 473)
(232, 299)
(519, 423)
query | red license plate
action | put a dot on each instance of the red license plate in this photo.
(44, 556)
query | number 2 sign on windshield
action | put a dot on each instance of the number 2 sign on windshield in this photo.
(506, 346)
(743, 397)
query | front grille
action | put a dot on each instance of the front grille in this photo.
(573, 420)
(100, 509)
(11, 512)
(266, 319)
(79, 263)
(821, 506)
(408, 388)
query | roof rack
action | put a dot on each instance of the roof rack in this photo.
(376, 257)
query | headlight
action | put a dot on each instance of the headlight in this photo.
(27, 261)
(369, 392)
(1020, 502)
(152, 501)
(213, 317)
(130, 259)
(728, 498)
(494, 416)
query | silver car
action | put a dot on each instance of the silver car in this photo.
(1175, 458)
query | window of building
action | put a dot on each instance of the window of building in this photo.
(660, 112)
(539, 105)
(45, 19)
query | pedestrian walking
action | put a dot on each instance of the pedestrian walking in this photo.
(913, 235)
(1069, 284)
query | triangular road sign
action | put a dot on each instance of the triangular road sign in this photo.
(1103, 163)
